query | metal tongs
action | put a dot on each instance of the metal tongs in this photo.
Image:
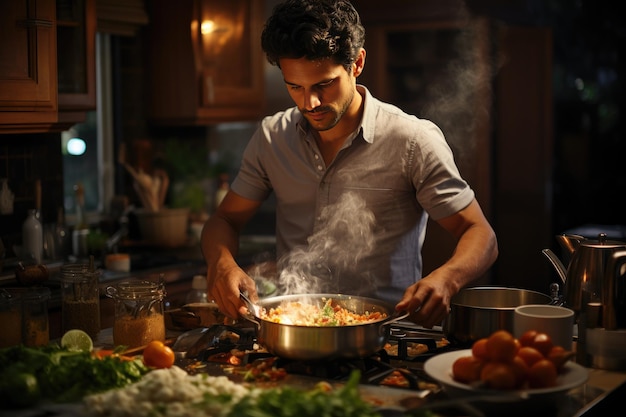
(253, 309)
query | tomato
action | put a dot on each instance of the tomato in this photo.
(499, 375)
(559, 356)
(530, 355)
(527, 338)
(479, 349)
(466, 369)
(520, 369)
(157, 355)
(542, 374)
(501, 346)
(542, 343)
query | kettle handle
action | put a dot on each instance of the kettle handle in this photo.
(615, 284)
(556, 262)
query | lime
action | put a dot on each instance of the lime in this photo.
(77, 339)
(19, 389)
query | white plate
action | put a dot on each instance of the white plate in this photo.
(439, 367)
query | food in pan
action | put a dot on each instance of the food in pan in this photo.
(329, 314)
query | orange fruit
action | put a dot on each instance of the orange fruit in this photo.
(501, 346)
(520, 369)
(499, 375)
(466, 369)
(542, 343)
(559, 356)
(542, 374)
(158, 355)
(526, 339)
(479, 349)
(530, 355)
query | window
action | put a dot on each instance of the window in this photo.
(93, 166)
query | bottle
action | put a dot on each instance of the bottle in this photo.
(32, 237)
(80, 233)
(198, 290)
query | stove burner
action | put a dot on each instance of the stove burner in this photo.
(375, 369)
(221, 338)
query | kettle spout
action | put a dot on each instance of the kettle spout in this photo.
(556, 262)
(569, 242)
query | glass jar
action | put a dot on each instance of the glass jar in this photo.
(24, 316)
(138, 312)
(80, 298)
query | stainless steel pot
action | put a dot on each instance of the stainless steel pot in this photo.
(313, 343)
(477, 312)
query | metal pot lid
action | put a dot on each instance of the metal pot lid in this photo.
(602, 242)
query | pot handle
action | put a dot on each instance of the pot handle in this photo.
(396, 316)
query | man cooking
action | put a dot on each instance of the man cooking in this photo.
(355, 180)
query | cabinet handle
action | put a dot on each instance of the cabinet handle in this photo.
(29, 23)
(209, 89)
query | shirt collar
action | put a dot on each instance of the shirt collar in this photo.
(368, 121)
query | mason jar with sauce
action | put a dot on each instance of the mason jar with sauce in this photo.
(24, 316)
(80, 298)
(138, 312)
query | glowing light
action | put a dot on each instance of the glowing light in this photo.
(207, 27)
(76, 146)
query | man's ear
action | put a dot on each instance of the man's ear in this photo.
(359, 64)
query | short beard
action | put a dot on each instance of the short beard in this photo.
(338, 114)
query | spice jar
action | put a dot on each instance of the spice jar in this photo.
(24, 316)
(138, 312)
(80, 298)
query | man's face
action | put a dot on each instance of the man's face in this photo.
(322, 90)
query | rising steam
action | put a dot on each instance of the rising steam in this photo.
(344, 235)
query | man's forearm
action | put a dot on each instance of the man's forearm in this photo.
(220, 241)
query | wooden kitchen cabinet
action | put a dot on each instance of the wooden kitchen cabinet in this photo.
(205, 64)
(47, 64)
(76, 34)
(28, 70)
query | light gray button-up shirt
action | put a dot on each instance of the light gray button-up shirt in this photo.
(357, 225)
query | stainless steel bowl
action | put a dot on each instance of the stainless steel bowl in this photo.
(477, 312)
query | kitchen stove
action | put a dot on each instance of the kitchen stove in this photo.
(394, 374)
(398, 364)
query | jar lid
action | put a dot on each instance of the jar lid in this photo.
(74, 272)
(136, 289)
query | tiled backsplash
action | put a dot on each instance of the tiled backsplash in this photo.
(24, 159)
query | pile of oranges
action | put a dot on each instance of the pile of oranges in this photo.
(500, 361)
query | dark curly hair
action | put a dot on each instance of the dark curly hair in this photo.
(313, 29)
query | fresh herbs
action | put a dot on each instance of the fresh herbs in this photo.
(321, 401)
(59, 375)
(328, 315)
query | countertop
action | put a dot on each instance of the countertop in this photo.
(602, 390)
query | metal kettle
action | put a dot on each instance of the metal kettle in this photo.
(591, 278)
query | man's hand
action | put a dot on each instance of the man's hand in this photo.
(428, 300)
(224, 288)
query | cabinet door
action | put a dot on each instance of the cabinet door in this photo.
(76, 31)
(28, 76)
(205, 62)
